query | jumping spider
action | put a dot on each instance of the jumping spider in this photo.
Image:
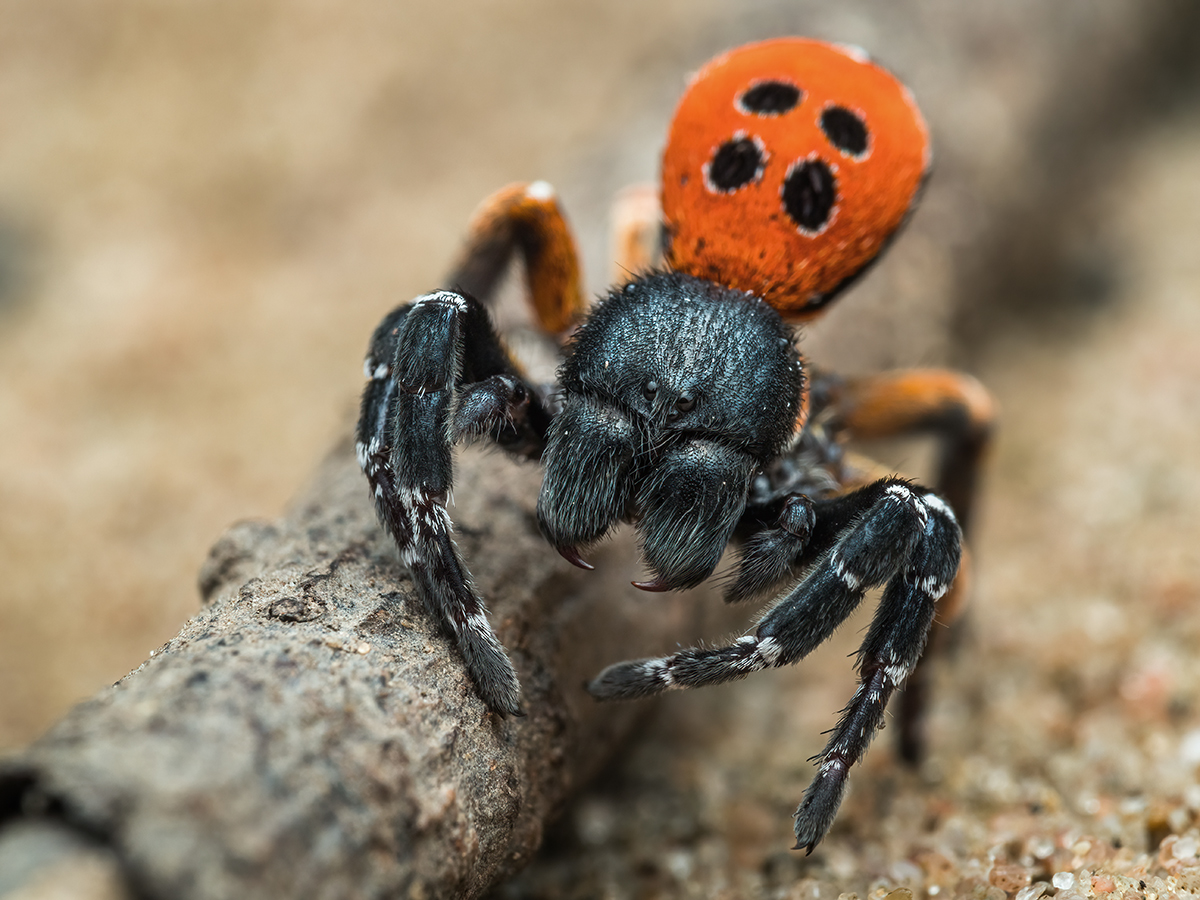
(682, 404)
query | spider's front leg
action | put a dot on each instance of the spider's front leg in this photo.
(889, 532)
(438, 373)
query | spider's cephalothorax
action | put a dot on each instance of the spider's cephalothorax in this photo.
(682, 405)
(676, 391)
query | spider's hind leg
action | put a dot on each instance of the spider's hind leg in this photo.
(437, 373)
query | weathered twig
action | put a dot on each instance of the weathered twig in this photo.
(311, 733)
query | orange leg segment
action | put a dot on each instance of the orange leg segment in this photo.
(952, 406)
(525, 217)
(636, 222)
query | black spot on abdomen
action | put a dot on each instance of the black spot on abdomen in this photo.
(735, 164)
(845, 130)
(770, 98)
(809, 194)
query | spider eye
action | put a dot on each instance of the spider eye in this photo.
(650, 390)
(685, 403)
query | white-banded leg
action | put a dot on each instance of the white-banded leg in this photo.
(438, 373)
(903, 536)
(888, 654)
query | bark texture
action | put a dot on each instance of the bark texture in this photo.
(311, 733)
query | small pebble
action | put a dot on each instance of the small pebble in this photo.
(1008, 877)
(1103, 884)
(1185, 847)
(1041, 847)
(1063, 881)
(1189, 747)
(680, 864)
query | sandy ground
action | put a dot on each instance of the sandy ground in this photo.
(204, 208)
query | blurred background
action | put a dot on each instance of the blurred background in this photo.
(205, 207)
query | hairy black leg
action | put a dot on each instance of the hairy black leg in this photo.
(801, 532)
(901, 535)
(412, 409)
(887, 657)
(690, 503)
(588, 462)
(868, 552)
(959, 413)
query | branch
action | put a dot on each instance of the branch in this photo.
(311, 732)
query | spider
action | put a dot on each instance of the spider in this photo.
(682, 404)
